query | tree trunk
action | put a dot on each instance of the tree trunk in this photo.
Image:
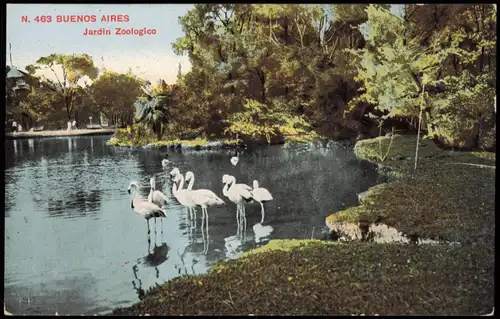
(158, 129)
(419, 123)
(262, 77)
(480, 128)
(481, 61)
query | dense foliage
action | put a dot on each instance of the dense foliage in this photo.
(262, 72)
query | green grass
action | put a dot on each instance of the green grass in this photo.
(126, 138)
(334, 279)
(303, 138)
(198, 142)
(440, 200)
(403, 147)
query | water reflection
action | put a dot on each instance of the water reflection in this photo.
(77, 189)
(154, 258)
(182, 267)
(234, 244)
(76, 203)
(261, 233)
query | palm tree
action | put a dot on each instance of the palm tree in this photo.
(152, 109)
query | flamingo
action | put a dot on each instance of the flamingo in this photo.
(202, 197)
(235, 159)
(164, 162)
(174, 172)
(261, 195)
(157, 197)
(142, 206)
(237, 193)
(182, 195)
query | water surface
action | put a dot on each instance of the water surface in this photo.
(74, 245)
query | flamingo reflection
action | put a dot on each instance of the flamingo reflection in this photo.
(182, 267)
(154, 258)
(234, 244)
(261, 232)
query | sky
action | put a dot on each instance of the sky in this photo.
(150, 57)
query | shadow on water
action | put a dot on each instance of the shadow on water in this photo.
(68, 215)
(154, 258)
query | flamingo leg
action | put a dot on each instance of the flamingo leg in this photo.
(262, 211)
(194, 223)
(208, 236)
(245, 215)
(161, 220)
(203, 236)
(206, 217)
(238, 208)
(238, 218)
(244, 218)
(149, 231)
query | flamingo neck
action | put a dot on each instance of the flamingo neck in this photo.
(176, 187)
(181, 184)
(225, 189)
(191, 182)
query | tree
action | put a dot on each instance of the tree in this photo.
(114, 94)
(153, 108)
(73, 70)
(394, 70)
(293, 60)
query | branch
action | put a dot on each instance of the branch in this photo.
(62, 87)
(224, 23)
(334, 49)
(410, 14)
(49, 86)
(271, 34)
(300, 32)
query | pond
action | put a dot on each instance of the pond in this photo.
(74, 245)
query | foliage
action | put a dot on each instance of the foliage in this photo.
(263, 52)
(309, 63)
(153, 108)
(259, 121)
(397, 63)
(114, 94)
(74, 69)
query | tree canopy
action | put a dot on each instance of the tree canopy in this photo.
(69, 72)
(266, 71)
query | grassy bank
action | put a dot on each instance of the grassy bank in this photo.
(442, 199)
(294, 277)
(125, 138)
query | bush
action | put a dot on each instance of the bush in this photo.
(272, 122)
(465, 113)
